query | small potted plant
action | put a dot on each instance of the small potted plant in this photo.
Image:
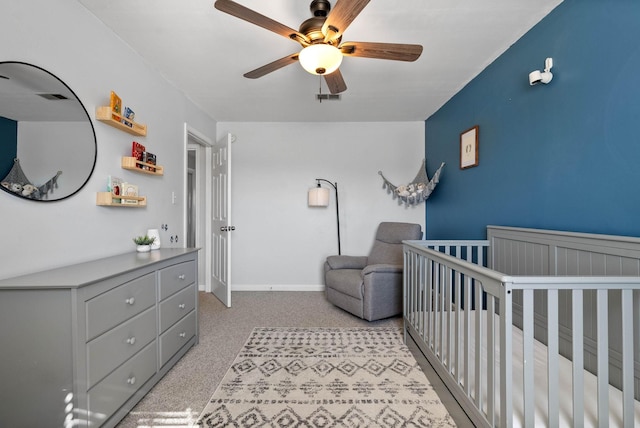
(143, 243)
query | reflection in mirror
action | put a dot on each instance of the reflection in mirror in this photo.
(47, 141)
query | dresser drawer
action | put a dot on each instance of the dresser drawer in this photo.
(108, 351)
(177, 306)
(107, 396)
(175, 338)
(119, 304)
(176, 277)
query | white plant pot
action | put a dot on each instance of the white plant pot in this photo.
(143, 248)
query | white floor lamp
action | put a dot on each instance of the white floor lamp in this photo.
(319, 197)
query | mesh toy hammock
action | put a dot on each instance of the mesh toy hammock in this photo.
(17, 182)
(418, 190)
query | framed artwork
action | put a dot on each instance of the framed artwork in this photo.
(469, 147)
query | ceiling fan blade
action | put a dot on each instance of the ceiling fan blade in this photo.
(393, 51)
(341, 15)
(242, 12)
(335, 82)
(272, 66)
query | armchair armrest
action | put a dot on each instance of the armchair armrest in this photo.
(346, 262)
(382, 268)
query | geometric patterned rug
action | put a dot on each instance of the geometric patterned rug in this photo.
(325, 377)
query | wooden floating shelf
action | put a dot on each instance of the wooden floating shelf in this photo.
(133, 164)
(110, 117)
(106, 199)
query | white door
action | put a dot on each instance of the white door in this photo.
(221, 224)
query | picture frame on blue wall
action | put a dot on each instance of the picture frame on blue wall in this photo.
(469, 144)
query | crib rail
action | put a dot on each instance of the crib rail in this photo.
(457, 311)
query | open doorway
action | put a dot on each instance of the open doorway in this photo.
(198, 204)
(192, 194)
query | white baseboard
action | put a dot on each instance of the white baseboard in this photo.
(277, 287)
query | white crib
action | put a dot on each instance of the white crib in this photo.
(546, 337)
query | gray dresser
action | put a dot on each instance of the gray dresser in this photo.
(81, 345)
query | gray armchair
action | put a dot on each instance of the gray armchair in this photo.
(370, 287)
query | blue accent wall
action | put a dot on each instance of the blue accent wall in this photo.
(8, 144)
(562, 156)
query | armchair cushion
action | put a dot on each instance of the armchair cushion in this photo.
(388, 245)
(346, 281)
(382, 268)
(347, 262)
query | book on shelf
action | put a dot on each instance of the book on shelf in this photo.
(129, 189)
(149, 158)
(138, 151)
(114, 185)
(129, 114)
(115, 103)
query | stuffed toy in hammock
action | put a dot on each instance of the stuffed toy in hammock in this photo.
(418, 190)
(17, 182)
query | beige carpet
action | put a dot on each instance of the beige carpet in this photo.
(325, 377)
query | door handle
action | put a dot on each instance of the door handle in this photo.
(227, 228)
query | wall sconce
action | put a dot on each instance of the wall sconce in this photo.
(545, 76)
(319, 197)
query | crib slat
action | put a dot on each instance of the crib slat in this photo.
(458, 326)
(428, 313)
(506, 356)
(446, 310)
(478, 343)
(467, 335)
(528, 363)
(407, 286)
(436, 320)
(419, 290)
(603, 358)
(423, 292)
(553, 352)
(491, 357)
(627, 358)
(440, 322)
(578, 357)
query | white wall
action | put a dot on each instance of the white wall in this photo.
(64, 38)
(281, 243)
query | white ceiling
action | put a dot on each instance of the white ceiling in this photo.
(205, 52)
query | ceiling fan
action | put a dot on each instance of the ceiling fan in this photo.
(321, 40)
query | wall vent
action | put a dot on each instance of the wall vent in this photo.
(321, 97)
(53, 96)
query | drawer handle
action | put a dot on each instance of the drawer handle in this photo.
(181, 306)
(131, 340)
(182, 277)
(131, 380)
(130, 301)
(183, 335)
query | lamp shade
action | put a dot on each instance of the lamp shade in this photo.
(318, 197)
(320, 58)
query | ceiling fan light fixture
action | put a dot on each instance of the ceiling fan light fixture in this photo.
(320, 58)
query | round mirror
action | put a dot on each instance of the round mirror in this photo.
(47, 141)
